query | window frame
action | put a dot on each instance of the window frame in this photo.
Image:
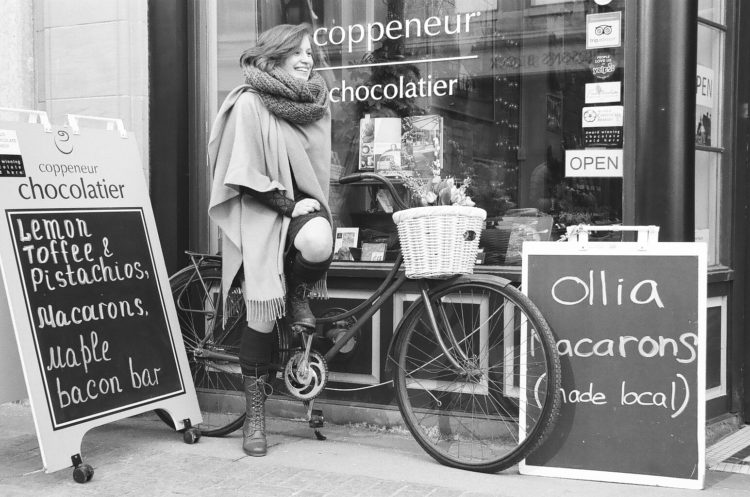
(724, 151)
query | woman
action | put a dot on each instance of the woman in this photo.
(270, 151)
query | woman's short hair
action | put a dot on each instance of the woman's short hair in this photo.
(274, 45)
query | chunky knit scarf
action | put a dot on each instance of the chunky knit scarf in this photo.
(288, 97)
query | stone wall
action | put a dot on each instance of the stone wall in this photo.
(92, 59)
(17, 66)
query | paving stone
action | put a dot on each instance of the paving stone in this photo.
(142, 457)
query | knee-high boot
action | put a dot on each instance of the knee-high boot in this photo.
(254, 430)
(302, 275)
(298, 300)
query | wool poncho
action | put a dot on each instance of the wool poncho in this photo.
(249, 146)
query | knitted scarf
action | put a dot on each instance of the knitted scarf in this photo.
(288, 97)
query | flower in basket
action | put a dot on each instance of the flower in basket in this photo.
(437, 191)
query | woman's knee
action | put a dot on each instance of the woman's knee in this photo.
(314, 240)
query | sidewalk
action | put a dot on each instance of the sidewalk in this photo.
(141, 457)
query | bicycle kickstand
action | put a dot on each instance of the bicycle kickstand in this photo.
(315, 418)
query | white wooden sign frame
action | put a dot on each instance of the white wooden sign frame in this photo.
(112, 158)
(645, 246)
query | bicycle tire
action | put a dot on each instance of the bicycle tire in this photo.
(200, 312)
(475, 421)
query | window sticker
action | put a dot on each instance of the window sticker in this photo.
(601, 92)
(11, 162)
(603, 30)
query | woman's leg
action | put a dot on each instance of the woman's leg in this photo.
(308, 263)
(256, 352)
(256, 346)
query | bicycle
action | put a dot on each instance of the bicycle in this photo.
(474, 363)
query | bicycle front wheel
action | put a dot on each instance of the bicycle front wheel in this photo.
(499, 397)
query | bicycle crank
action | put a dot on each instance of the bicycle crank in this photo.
(305, 377)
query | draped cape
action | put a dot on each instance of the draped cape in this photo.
(249, 146)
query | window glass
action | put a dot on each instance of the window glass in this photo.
(519, 100)
(709, 86)
(707, 201)
(708, 133)
(712, 10)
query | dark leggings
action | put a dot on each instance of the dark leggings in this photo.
(256, 348)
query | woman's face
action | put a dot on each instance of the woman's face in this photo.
(299, 63)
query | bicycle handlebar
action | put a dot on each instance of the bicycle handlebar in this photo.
(377, 178)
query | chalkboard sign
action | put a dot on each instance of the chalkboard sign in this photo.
(98, 317)
(629, 320)
(87, 290)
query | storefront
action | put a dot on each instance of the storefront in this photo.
(551, 113)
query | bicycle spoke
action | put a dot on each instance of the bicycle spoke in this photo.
(471, 418)
(205, 328)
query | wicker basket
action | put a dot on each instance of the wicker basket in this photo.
(439, 242)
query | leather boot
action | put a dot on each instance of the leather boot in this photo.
(254, 430)
(299, 305)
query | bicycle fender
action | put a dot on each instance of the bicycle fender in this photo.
(206, 263)
(489, 278)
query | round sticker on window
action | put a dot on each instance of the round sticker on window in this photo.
(603, 66)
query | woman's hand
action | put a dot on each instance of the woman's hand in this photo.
(305, 206)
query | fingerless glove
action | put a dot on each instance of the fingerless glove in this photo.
(275, 199)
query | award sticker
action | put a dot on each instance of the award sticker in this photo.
(602, 116)
(610, 137)
(11, 162)
(601, 92)
(603, 66)
(603, 30)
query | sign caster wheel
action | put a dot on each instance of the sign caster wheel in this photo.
(191, 435)
(83, 473)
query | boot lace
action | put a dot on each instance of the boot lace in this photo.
(300, 292)
(258, 402)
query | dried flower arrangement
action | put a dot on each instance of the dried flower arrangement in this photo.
(437, 191)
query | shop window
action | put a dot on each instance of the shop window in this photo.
(716, 347)
(519, 100)
(709, 86)
(712, 10)
(707, 182)
(709, 156)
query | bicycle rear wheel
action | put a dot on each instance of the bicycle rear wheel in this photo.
(205, 327)
(503, 399)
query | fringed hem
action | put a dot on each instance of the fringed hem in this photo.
(266, 310)
(319, 290)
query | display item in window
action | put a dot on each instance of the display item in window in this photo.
(410, 145)
(346, 238)
(270, 154)
(428, 191)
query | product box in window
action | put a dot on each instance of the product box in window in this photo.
(366, 144)
(387, 145)
(401, 146)
(523, 225)
(422, 144)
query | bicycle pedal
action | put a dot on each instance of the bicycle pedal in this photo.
(316, 419)
(300, 328)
